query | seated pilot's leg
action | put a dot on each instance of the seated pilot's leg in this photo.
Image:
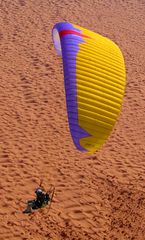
(28, 209)
(36, 204)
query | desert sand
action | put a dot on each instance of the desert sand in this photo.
(98, 196)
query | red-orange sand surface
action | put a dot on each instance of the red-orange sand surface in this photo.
(99, 196)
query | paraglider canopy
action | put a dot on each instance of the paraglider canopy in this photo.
(94, 76)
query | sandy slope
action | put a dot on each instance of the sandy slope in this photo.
(99, 196)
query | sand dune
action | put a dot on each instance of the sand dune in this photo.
(98, 196)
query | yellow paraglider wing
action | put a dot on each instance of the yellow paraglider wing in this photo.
(94, 73)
